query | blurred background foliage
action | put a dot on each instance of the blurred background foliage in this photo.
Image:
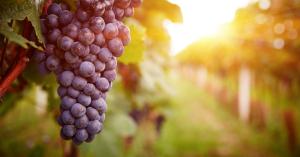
(165, 106)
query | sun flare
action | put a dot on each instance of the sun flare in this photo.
(201, 18)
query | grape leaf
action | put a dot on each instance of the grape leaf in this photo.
(135, 50)
(19, 10)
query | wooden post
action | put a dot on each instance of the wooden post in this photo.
(244, 93)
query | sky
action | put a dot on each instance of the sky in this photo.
(201, 18)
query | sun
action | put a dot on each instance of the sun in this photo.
(201, 18)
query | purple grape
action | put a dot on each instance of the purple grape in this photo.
(67, 118)
(39, 56)
(136, 3)
(112, 64)
(102, 118)
(110, 31)
(99, 8)
(66, 78)
(53, 35)
(92, 113)
(110, 75)
(79, 83)
(104, 55)
(80, 50)
(81, 122)
(71, 30)
(99, 66)
(94, 127)
(83, 99)
(54, 8)
(100, 105)
(78, 110)
(86, 36)
(129, 12)
(87, 3)
(116, 47)
(97, 24)
(99, 39)
(43, 26)
(89, 89)
(86, 69)
(94, 49)
(81, 135)
(65, 17)
(49, 49)
(59, 121)
(82, 15)
(96, 94)
(62, 91)
(43, 70)
(67, 102)
(124, 34)
(52, 63)
(109, 16)
(90, 58)
(52, 21)
(73, 92)
(65, 43)
(71, 58)
(68, 130)
(122, 3)
(102, 84)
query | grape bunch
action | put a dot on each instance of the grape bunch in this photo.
(81, 50)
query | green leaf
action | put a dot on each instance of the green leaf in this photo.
(14, 37)
(134, 52)
(19, 10)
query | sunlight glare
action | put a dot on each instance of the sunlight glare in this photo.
(200, 19)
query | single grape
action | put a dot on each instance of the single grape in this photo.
(110, 31)
(92, 113)
(71, 30)
(102, 84)
(109, 16)
(83, 99)
(43, 70)
(97, 24)
(78, 110)
(71, 58)
(54, 8)
(99, 39)
(52, 21)
(65, 43)
(116, 47)
(73, 92)
(53, 35)
(100, 105)
(112, 64)
(67, 118)
(79, 83)
(39, 56)
(86, 69)
(80, 50)
(67, 102)
(122, 3)
(86, 36)
(96, 94)
(81, 122)
(104, 55)
(82, 15)
(68, 130)
(81, 135)
(94, 49)
(99, 66)
(52, 63)
(66, 78)
(62, 91)
(49, 49)
(129, 12)
(65, 17)
(89, 89)
(124, 34)
(110, 75)
(94, 127)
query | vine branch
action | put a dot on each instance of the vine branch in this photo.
(21, 62)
